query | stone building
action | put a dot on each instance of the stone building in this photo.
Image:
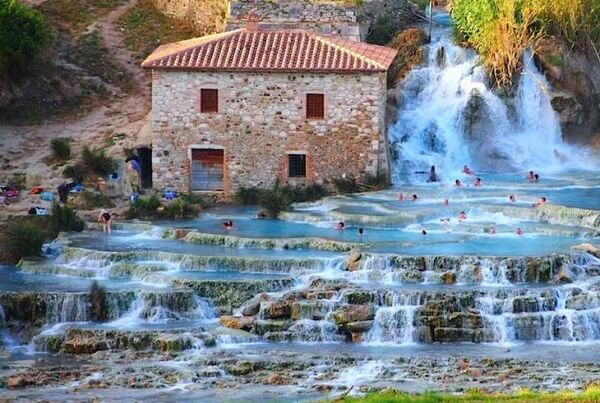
(254, 106)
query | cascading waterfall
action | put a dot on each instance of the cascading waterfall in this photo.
(449, 117)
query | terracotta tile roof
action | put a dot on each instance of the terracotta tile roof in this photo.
(272, 50)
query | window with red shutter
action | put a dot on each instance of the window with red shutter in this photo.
(315, 106)
(209, 100)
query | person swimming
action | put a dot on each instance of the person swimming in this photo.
(414, 198)
(445, 221)
(457, 183)
(531, 176)
(519, 231)
(477, 182)
(536, 178)
(462, 216)
(228, 224)
(340, 226)
(491, 230)
(467, 170)
(540, 203)
(423, 232)
(361, 231)
(512, 198)
(432, 175)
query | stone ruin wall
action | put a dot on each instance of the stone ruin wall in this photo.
(323, 17)
(205, 16)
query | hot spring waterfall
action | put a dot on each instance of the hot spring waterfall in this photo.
(449, 116)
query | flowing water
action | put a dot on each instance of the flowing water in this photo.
(294, 309)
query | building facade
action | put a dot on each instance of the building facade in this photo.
(254, 107)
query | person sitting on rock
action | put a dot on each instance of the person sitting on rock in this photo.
(477, 183)
(457, 183)
(539, 203)
(462, 216)
(519, 231)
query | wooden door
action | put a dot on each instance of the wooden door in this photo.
(207, 169)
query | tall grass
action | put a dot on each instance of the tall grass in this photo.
(500, 30)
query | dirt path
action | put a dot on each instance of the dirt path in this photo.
(25, 147)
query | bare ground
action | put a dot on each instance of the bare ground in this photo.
(26, 148)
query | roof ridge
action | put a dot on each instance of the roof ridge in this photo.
(355, 53)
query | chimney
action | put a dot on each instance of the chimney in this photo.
(252, 21)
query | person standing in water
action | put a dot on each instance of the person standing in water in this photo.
(105, 220)
(414, 198)
(477, 183)
(432, 175)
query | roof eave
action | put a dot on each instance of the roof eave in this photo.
(247, 70)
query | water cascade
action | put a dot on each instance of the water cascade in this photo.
(450, 117)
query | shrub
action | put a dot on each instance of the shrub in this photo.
(178, 209)
(25, 238)
(144, 207)
(280, 198)
(248, 196)
(96, 161)
(193, 199)
(383, 30)
(94, 200)
(151, 208)
(17, 181)
(23, 36)
(64, 218)
(352, 185)
(98, 305)
(61, 148)
(75, 171)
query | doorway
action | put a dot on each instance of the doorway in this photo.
(145, 156)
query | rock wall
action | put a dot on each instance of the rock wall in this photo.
(261, 118)
(575, 77)
(205, 16)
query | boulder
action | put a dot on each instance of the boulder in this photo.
(359, 327)
(237, 322)
(411, 276)
(359, 297)
(242, 368)
(276, 309)
(588, 248)
(353, 261)
(448, 278)
(84, 345)
(276, 379)
(265, 326)
(353, 313)
(19, 381)
(564, 275)
(252, 306)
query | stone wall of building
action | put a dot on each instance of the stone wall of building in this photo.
(262, 118)
(352, 20)
(322, 16)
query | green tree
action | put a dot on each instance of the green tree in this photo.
(23, 36)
